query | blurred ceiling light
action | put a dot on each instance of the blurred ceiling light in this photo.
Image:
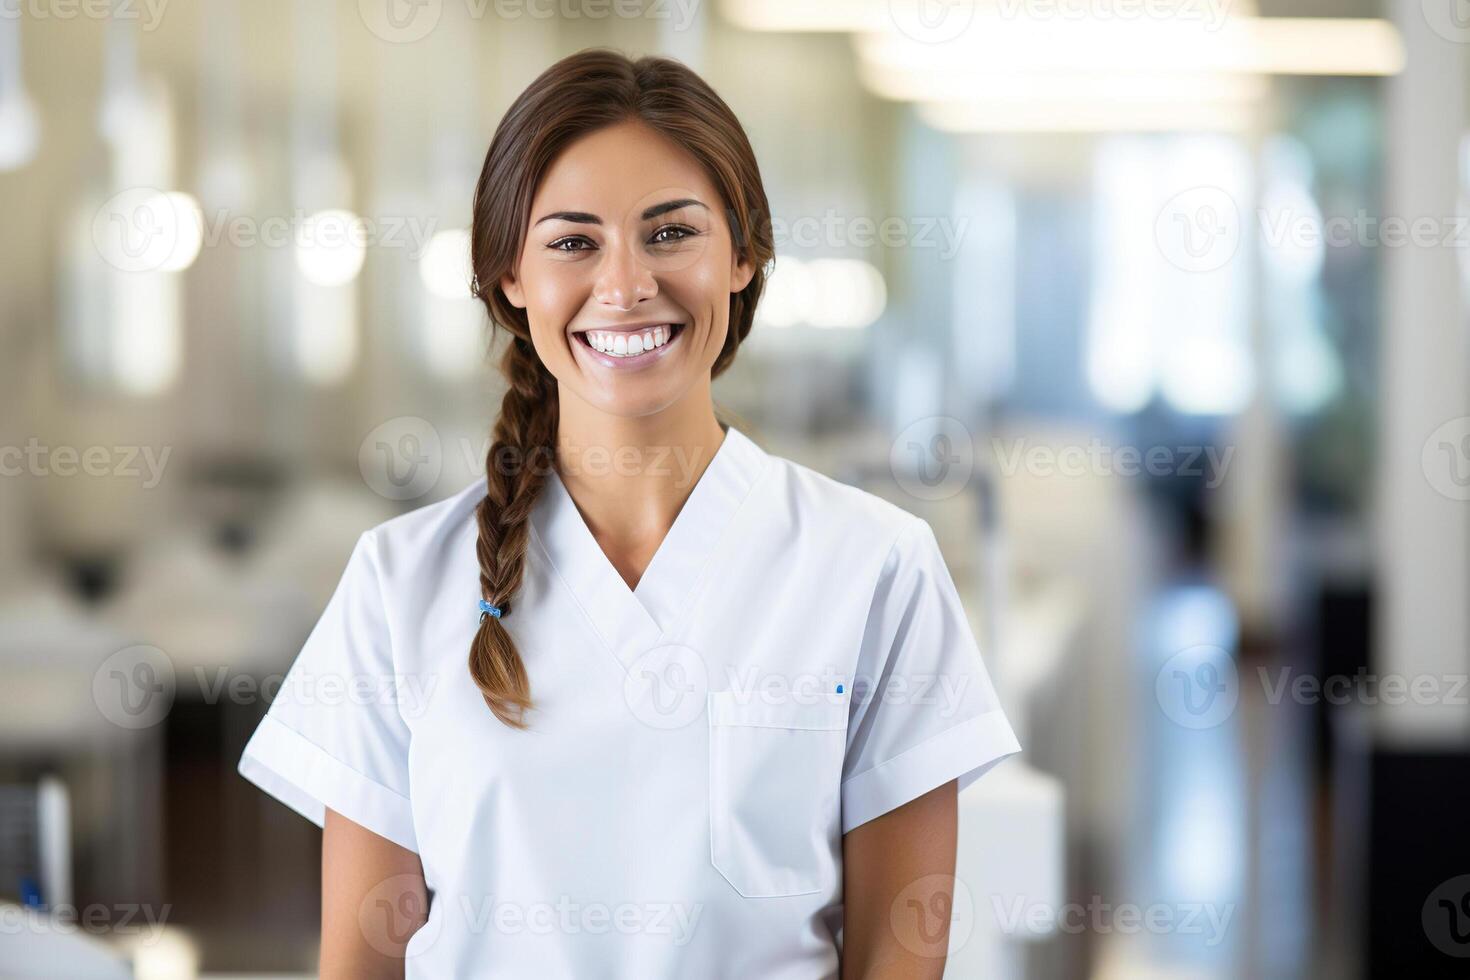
(804, 15)
(123, 112)
(1060, 66)
(826, 293)
(1085, 116)
(1292, 233)
(188, 219)
(1121, 371)
(224, 175)
(785, 299)
(145, 230)
(914, 17)
(146, 341)
(20, 126)
(1207, 374)
(20, 130)
(125, 107)
(452, 334)
(331, 246)
(925, 85)
(444, 267)
(1160, 322)
(1088, 102)
(325, 335)
(142, 233)
(998, 45)
(847, 293)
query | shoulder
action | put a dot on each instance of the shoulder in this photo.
(819, 527)
(820, 505)
(426, 535)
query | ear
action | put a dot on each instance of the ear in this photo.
(742, 270)
(511, 287)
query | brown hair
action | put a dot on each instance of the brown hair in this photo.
(581, 93)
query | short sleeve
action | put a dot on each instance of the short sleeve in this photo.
(334, 736)
(923, 708)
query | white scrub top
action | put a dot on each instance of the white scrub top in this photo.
(794, 662)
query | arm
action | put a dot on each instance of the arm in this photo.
(898, 869)
(373, 899)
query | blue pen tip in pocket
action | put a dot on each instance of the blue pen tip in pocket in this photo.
(839, 688)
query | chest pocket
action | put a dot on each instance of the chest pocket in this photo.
(774, 808)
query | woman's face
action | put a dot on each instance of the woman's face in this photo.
(626, 272)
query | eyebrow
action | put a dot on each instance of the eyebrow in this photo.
(584, 218)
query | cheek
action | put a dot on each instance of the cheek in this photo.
(553, 297)
(556, 289)
(704, 290)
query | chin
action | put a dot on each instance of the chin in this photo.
(634, 399)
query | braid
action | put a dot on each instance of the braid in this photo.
(515, 470)
(578, 95)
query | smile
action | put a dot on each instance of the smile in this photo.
(627, 347)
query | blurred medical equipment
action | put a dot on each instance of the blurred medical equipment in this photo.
(35, 869)
(35, 855)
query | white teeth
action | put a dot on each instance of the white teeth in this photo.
(628, 344)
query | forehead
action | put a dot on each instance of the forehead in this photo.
(619, 169)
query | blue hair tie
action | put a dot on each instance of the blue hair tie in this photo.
(488, 609)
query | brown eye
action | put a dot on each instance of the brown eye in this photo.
(672, 234)
(564, 244)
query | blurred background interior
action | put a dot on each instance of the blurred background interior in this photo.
(1155, 311)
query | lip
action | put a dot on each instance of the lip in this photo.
(637, 361)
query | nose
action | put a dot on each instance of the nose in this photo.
(623, 281)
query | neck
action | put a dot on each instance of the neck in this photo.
(630, 476)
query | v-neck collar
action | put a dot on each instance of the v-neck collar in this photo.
(632, 621)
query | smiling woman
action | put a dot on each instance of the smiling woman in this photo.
(673, 705)
(629, 238)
